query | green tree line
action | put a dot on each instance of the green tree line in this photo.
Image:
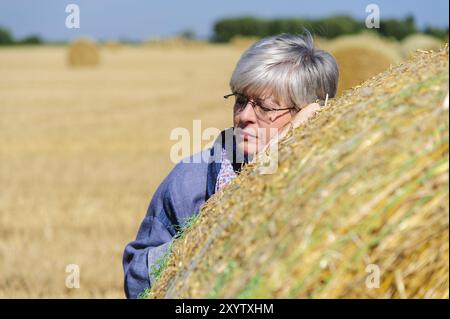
(7, 39)
(329, 27)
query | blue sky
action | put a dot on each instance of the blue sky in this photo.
(140, 19)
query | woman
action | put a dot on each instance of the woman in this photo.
(276, 81)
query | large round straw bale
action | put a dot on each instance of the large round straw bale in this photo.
(362, 56)
(83, 52)
(420, 41)
(358, 206)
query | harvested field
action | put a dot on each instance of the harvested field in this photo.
(82, 151)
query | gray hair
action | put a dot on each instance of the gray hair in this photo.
(287, 67)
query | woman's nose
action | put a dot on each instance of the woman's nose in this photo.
(248, 113)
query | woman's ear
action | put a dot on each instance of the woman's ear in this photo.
(305, 114)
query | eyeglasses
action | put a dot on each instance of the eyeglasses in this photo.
(262, 109)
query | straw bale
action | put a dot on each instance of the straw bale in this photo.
(362, 56)
(420, 41)
(83, 52)
(358, 207)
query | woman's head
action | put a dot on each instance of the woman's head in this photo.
(274, 79)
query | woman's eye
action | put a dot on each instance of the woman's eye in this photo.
(241, 101)
(264, 108)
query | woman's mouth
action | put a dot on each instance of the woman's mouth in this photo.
(246, 135)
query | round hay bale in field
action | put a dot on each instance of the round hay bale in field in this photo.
(83, 52)
(362, 56)
(357, 208)
(420, 41)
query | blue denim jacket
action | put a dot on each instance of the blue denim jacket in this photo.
(180, 195)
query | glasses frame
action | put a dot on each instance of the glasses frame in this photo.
(254, 103)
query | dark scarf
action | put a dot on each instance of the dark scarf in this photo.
(214, 166)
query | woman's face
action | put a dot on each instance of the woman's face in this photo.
(254, 127)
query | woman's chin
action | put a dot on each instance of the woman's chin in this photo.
(248, 149)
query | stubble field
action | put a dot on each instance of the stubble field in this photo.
(83, 149)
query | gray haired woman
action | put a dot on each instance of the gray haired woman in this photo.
(276, 81)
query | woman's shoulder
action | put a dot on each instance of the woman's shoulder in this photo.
(192, 165)
(189, 174)
(183, 191)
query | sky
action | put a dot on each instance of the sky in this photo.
(141, 19)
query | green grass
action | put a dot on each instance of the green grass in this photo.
(251, 287)
(186, 225)
(158, 268)
(144, 294)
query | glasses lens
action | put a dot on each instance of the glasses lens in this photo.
(240, 102)
(260, 112)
